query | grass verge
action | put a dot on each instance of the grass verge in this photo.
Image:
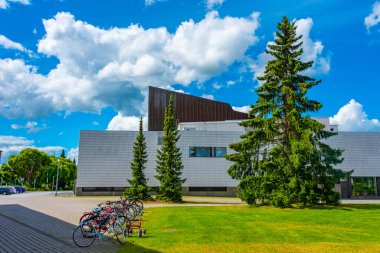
(348, 228)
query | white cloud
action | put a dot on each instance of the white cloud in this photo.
(217, 86)
(73, 153)
(14, 144)
(9, 44)
(130, 123)
(244, 109)
(374, 17)
(312, 51)
(95, 123)
(14, 141)
(4, 4)
(205, 49)
(32, 127)
(150, 2)
(230, 83)
(352, 117)
(20, 94)
(212, 3)
(114, 67)
(208, 96)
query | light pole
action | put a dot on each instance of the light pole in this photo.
(1, 176)
(56, 180)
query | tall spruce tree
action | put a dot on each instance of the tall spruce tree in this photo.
(138, 184)
(169, 164)
(63, 154)
(283, 159)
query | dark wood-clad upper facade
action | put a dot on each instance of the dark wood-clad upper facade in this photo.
(187, 109)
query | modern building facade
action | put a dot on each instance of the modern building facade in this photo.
(105, 156)
(188, 109)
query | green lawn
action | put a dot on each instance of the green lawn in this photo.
(349, 228)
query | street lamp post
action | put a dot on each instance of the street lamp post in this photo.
(56, 180)
(1, 177)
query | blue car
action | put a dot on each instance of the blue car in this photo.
(5, 190)
(19, 189)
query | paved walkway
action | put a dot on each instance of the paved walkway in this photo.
(26, 230)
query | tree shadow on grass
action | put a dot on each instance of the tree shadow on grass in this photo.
(130, 247)
(344, 207)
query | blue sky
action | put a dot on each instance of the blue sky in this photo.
(71, 65)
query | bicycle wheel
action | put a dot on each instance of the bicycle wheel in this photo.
(86, 217)
(121, 219)
(84, 235)
(120, 232)
(139, 204)
(131, 212)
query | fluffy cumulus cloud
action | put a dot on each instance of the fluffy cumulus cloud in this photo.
(313, 51)
(130, 123)
(114, 67)
(20, 94)
(4, 4)
(73, 153)
(212, 3)
(14, 144)
(352, 117)
(202, 50)
(374, 17)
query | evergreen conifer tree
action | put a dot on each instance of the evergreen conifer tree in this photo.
(138, 184)
(63, 155)
(169, 164)
(283, 159)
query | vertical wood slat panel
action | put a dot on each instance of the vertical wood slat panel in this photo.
(190, 109)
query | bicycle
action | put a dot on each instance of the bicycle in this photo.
(108, 225)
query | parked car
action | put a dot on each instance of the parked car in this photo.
(5, 190)
(20, 189)
(12, 189)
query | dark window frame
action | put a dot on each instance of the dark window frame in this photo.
(208, 189)
(193, 152)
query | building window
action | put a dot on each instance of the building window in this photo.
(220, 152)
(364, 186)
(207, 151)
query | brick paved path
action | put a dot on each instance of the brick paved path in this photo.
(25, 230)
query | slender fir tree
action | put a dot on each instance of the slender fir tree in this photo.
(63, 154)
(169, 164)
(283, 159)
(138, 184)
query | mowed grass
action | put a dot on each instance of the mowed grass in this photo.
(348, 228)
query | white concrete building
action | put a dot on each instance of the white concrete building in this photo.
(105, 156)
